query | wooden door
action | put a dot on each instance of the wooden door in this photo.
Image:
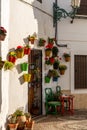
(35, 86)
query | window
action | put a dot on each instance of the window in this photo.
(40, 1)
(83, 8)
(80, 71)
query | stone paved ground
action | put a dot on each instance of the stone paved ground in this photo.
(67, 122)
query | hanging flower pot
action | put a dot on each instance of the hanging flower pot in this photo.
(47, 79)
(55, 79)
(12, 57)
(24, 66)
(1, 64)
(2, 33)
(66, 57)
(55, 51)
(20, 51)
(56, 64)
(48, 52)
(27, 77)
(32, 39)
(52, 60)
(62, 69)
(27, 50)
(41, 42)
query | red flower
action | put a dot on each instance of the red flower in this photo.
(19, 47)
(49, 46)
(52, 60)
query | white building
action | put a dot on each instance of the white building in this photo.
(25, 17)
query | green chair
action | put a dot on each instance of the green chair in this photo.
(51, 105)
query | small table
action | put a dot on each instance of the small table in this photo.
(69, 99)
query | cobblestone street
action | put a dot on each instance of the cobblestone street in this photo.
(52, 122)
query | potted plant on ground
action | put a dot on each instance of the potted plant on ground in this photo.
(62, 68)
(20, 51)
(27, 50)
(66, 57)
(12, 56)
(55, 51)
(12, 122)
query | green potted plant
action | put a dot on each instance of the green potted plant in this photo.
(24, 66)
(56, 64)
(51, 40)
(55, 75)
(12, 122)
(47, 79)
(8, 65)
(66, 57)
(41, 42)
(55, 51)
(62, 68)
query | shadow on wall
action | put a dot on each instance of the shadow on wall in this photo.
(44, 19)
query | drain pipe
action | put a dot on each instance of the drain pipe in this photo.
(56, 33)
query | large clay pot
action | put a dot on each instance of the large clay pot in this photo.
(13, 126)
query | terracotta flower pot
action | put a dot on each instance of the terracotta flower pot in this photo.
(29, 125)
(13, 126)
(67, 59)
(62, 72)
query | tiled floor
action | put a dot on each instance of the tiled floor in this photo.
(67, 122)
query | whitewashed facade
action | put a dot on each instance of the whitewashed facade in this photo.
(22, 18)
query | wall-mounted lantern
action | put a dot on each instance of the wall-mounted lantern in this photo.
(59, 13)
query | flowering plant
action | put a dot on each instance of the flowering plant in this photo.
(19, 48)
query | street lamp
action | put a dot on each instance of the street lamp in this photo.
(59, 13)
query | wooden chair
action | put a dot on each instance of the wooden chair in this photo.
(51, 105)
(59, 94)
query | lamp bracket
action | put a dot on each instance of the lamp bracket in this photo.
(59, 13)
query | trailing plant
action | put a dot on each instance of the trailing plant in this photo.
(8, 65)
